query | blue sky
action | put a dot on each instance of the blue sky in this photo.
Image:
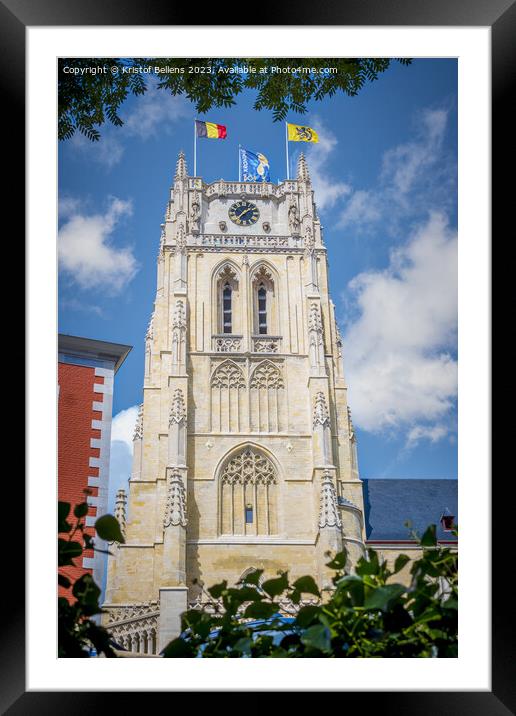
(385, 180)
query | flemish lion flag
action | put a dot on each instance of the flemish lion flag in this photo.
(298, 133)
(210, 130)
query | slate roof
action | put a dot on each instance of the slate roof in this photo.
(390, 503)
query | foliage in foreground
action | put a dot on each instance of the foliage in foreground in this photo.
(86, 100)
(367, 615)
(77, 632)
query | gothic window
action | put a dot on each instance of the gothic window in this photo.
(262, 309)
(265, 311)
(248, 499)
(227, 396)
(226, 308)
(267, 400)
(227, 319)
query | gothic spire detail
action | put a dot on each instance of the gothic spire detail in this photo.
(138, 428)
(329, 512)
(321, 414)
(302, 169)
(175, 509)
(179, 319)
(120, 509)
(177, 409)
(181, 169)
(314, 319)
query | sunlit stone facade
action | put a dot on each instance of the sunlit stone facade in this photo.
(244, 450)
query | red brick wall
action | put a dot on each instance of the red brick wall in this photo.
(75, 413)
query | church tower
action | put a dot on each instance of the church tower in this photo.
(244, 450)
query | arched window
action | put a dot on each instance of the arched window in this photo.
(265, 303)
(227, 315)
(262, 309)
(248, 499)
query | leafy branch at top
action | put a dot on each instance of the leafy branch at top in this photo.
(86, 99)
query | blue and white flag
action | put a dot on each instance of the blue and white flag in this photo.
(253, 166)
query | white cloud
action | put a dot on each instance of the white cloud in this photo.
(122, 427)
(155, 111)
(411, 179)
(107, 151)
(404, 164)
(433, 433)
(327, 189)
(86, 251)
(398, 349)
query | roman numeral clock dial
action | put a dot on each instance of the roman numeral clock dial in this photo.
(244, 213)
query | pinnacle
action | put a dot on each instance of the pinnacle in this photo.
(302, 169)
(181, 169)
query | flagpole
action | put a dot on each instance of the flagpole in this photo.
(239, 165)
(286, 148)
(194, 149)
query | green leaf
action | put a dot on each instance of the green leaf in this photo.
(217, 589)
(67, 552)
(63, 581)
(261, 610)
(317, 637)
(383, 597)
(353, 585)
(87, 594)
(307, 585)
(276, 586)
(306, 615)
(252, 577)
(63, 510)
(81, 510)
(178, 648)
(370, 565)
(339, 561)
(401, 561)
(429, 538)
(108, 529)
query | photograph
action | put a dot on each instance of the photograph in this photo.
(257, 357)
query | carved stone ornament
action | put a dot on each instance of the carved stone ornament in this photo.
(120, 509)
(321, 414)
(266, 376)
(181, 169)
(266, 226)
(293, 219)
(227, 375)
(223, 226)
(181, 237)
(195, 213)
(249, 467)
(138, 428)
(314, 319)
(329, 515)
(177, 409)
(175, 509)
(309, 239)
(179, 320)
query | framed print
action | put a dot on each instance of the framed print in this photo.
(396, 175)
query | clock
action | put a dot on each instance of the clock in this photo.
(244, 213)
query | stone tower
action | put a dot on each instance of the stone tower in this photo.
(244, 451)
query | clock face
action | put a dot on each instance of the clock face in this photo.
(244, 213)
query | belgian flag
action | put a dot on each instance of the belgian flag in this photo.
(210, 130)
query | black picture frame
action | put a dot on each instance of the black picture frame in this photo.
(500, 16)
